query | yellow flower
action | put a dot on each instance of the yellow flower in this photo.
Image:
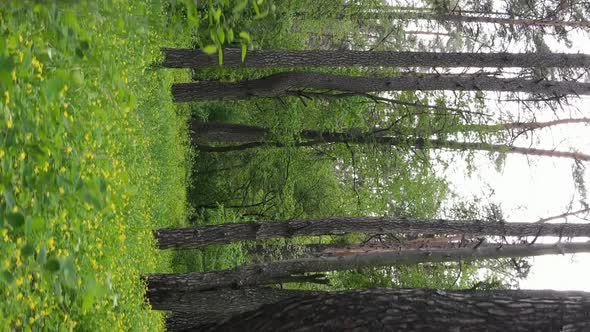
(13, 75)
(7, 264)
(9, 124)
(7, 97)
(51, 243)
(20, 281)
(69, 150)
(21, 56)
(38, 65)
(20, 38)
(61, 190)
(22, 156)
(2, 153)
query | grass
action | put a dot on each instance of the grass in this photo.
(92, 159)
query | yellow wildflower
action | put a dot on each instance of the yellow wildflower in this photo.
(51, 243)
(7, 97)
(13, 75)
(61, 190)
(22, 156)
(38, 65)
(20, 281)
(9, 123)
(20, 38)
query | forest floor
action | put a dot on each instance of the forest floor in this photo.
(93, 158)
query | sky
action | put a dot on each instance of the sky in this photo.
(530, 188)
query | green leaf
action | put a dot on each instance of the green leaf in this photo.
(15, 220)
(245, 35)
(9, 197)
(240, 7)
(244, 50)
(102, 185)
(42, 256)
(92, 199)
(209, 49)
(37, 224)
(6, 66)
(256, 8)
(262, 15)
(52, 265)
(221, 35)
(52, 88)
(27, 250)
(220, 56)
(230, 35)
(217, 15)
(7, 277)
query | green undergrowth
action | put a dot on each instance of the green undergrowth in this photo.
(92, 159)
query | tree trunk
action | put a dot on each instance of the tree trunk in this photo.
(229, 301)
(196, 237)
(500, 20)
(315, 137)
(178, 321)
(539, 125)
(262, 274)
(420, 310)
(282, 84)
(465, 16)
(195, 58)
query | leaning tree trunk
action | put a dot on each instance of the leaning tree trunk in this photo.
(252, 275)
(315, 137)
(195, 58)
(195, 237)
(284, 84)
(420, 310)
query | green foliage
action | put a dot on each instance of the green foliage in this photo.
(90, 143)
(221, 23)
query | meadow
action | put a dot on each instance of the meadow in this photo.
(93, 158)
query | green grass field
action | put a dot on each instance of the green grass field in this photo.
(93, 158)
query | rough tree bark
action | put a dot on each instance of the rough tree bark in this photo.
(420, 310)
(261, 274)
(315, 137)
(229, 301)
(196, 237)
(282, 84)
(195, 58)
